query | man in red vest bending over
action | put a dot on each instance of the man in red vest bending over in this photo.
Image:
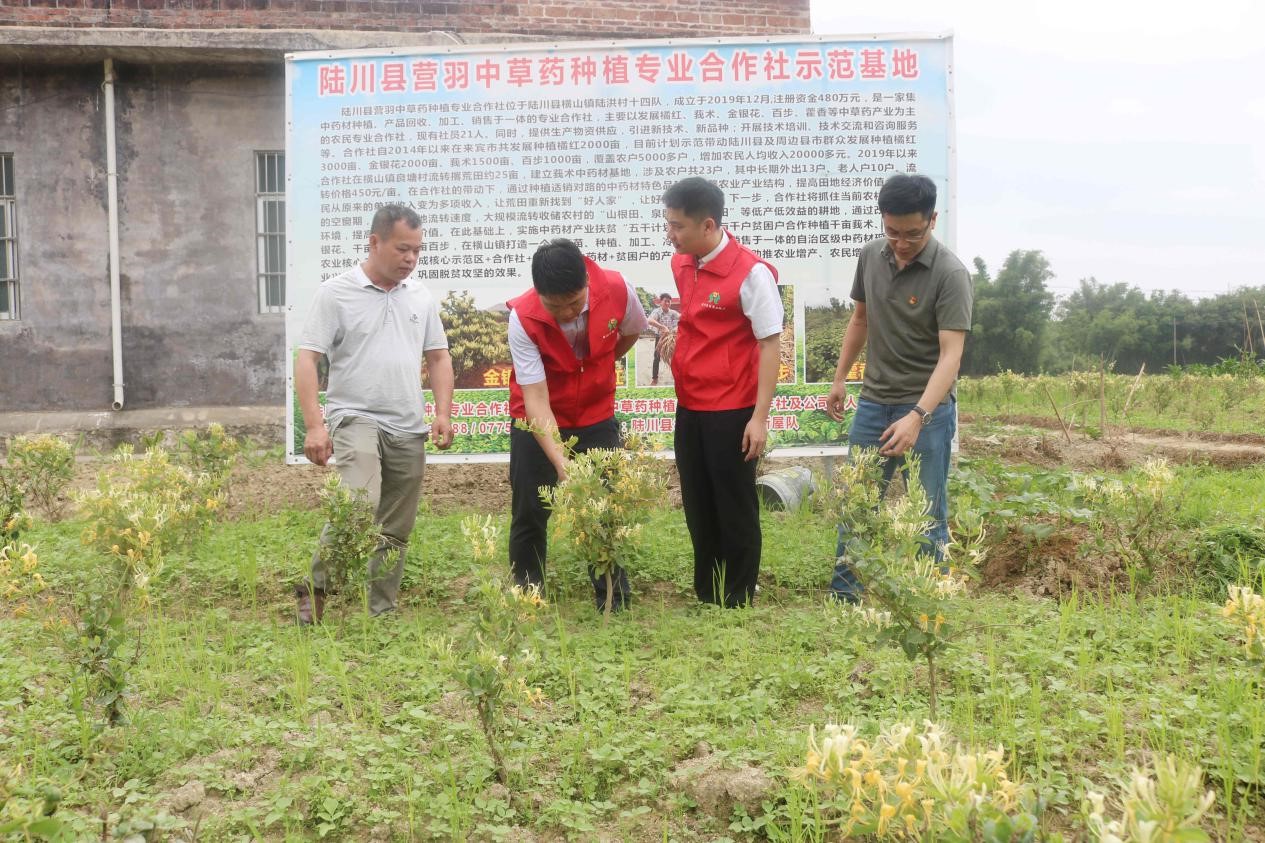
(725, 368)
(565, 335)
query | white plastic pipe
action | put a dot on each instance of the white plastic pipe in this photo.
(112, 211)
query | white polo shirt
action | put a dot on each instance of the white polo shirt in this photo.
(375, 340)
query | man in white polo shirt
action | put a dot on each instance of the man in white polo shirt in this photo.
(375, 326)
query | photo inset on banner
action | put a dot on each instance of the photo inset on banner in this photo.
(823, 335)
(478, 337)
(653, 351)
(786, 368)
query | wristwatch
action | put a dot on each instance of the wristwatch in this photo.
(923, 414)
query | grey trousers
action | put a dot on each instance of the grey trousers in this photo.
(389, 468)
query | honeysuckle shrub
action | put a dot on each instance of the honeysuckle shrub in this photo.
(43, 467)
(1161, 802)
(144, 507)
(20, 577)
(1246, 609)
(14, 519)
(909, 599)
(599, 510)
(1132, 518)
(490, 662)
(210, 451)
(352, 536)
(915, 783)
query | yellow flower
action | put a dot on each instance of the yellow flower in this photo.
(885, 815)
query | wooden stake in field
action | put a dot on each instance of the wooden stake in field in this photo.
(1129, 398)
(1102, 396)
(1259, 324)
(1066, 433)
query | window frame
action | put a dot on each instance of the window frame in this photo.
(270, 230)
(10, 304)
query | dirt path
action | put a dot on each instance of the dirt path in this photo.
(485, 487)
(260, 487)
(1120, 449)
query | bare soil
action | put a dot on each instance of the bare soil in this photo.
(261, 488)
(1061, 562)
(1116, 430)
(1117, 450)
(1051, 567)
(448, 487)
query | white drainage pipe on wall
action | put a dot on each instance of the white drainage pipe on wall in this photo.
(112, 200)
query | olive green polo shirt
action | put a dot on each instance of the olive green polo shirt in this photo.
(906, 309)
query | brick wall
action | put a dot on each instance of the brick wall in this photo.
(564, 18)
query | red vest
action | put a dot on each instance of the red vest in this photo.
(716, 363)
(581, 392)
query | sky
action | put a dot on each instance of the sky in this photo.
(1124, 139)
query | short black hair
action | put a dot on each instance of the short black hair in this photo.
(385, 218)
(904, 193)
(663, 296)
(558, 268)
(697, 198)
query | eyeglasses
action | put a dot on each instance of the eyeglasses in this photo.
(897, 237)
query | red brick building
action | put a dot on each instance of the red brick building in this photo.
(543, 18)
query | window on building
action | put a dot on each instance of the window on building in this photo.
(270, 227)
(8, 240)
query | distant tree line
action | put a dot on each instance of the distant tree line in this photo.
(1019, 325)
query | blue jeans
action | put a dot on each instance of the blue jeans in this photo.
(934, 446)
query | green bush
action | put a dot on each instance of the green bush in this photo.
(1228, 554)
(43, 467)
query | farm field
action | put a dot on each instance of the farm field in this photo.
(1226, 403)
(1089, 647)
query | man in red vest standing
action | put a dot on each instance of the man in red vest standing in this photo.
(565, 335)
(725, 368)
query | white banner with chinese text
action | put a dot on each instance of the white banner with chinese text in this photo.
(500, 148)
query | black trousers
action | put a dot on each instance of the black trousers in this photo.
(529, 519)
(722, 510)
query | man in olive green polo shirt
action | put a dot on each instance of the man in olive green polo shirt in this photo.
(913, 309)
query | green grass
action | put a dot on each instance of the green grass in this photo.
(1213, 496)
(352, 729)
